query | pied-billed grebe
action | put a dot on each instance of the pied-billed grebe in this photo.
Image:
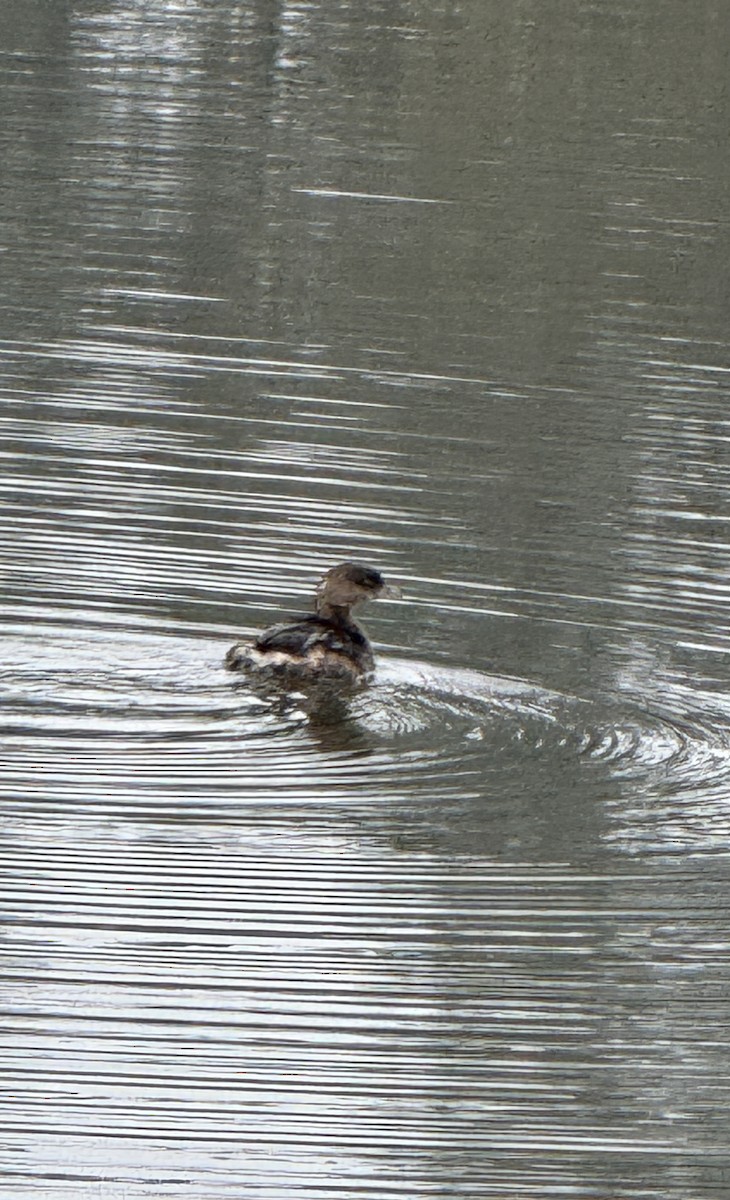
(329, 642)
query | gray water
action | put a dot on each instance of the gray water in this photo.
(441, 287)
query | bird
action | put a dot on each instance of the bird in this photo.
(326, 644)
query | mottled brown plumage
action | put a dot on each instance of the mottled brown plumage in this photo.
(328, 642)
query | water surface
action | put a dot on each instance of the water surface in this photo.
(439, 287)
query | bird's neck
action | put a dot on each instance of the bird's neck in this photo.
(338, 613)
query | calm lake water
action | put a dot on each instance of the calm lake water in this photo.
(441, 287)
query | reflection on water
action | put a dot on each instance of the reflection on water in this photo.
(439, 288)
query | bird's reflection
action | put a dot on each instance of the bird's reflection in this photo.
(322, 706)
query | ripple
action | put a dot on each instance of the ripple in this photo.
(161, 722)
(269, 302)
(679, 751)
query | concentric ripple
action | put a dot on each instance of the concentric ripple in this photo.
(159, 720)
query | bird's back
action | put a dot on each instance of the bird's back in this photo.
(310, 645)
